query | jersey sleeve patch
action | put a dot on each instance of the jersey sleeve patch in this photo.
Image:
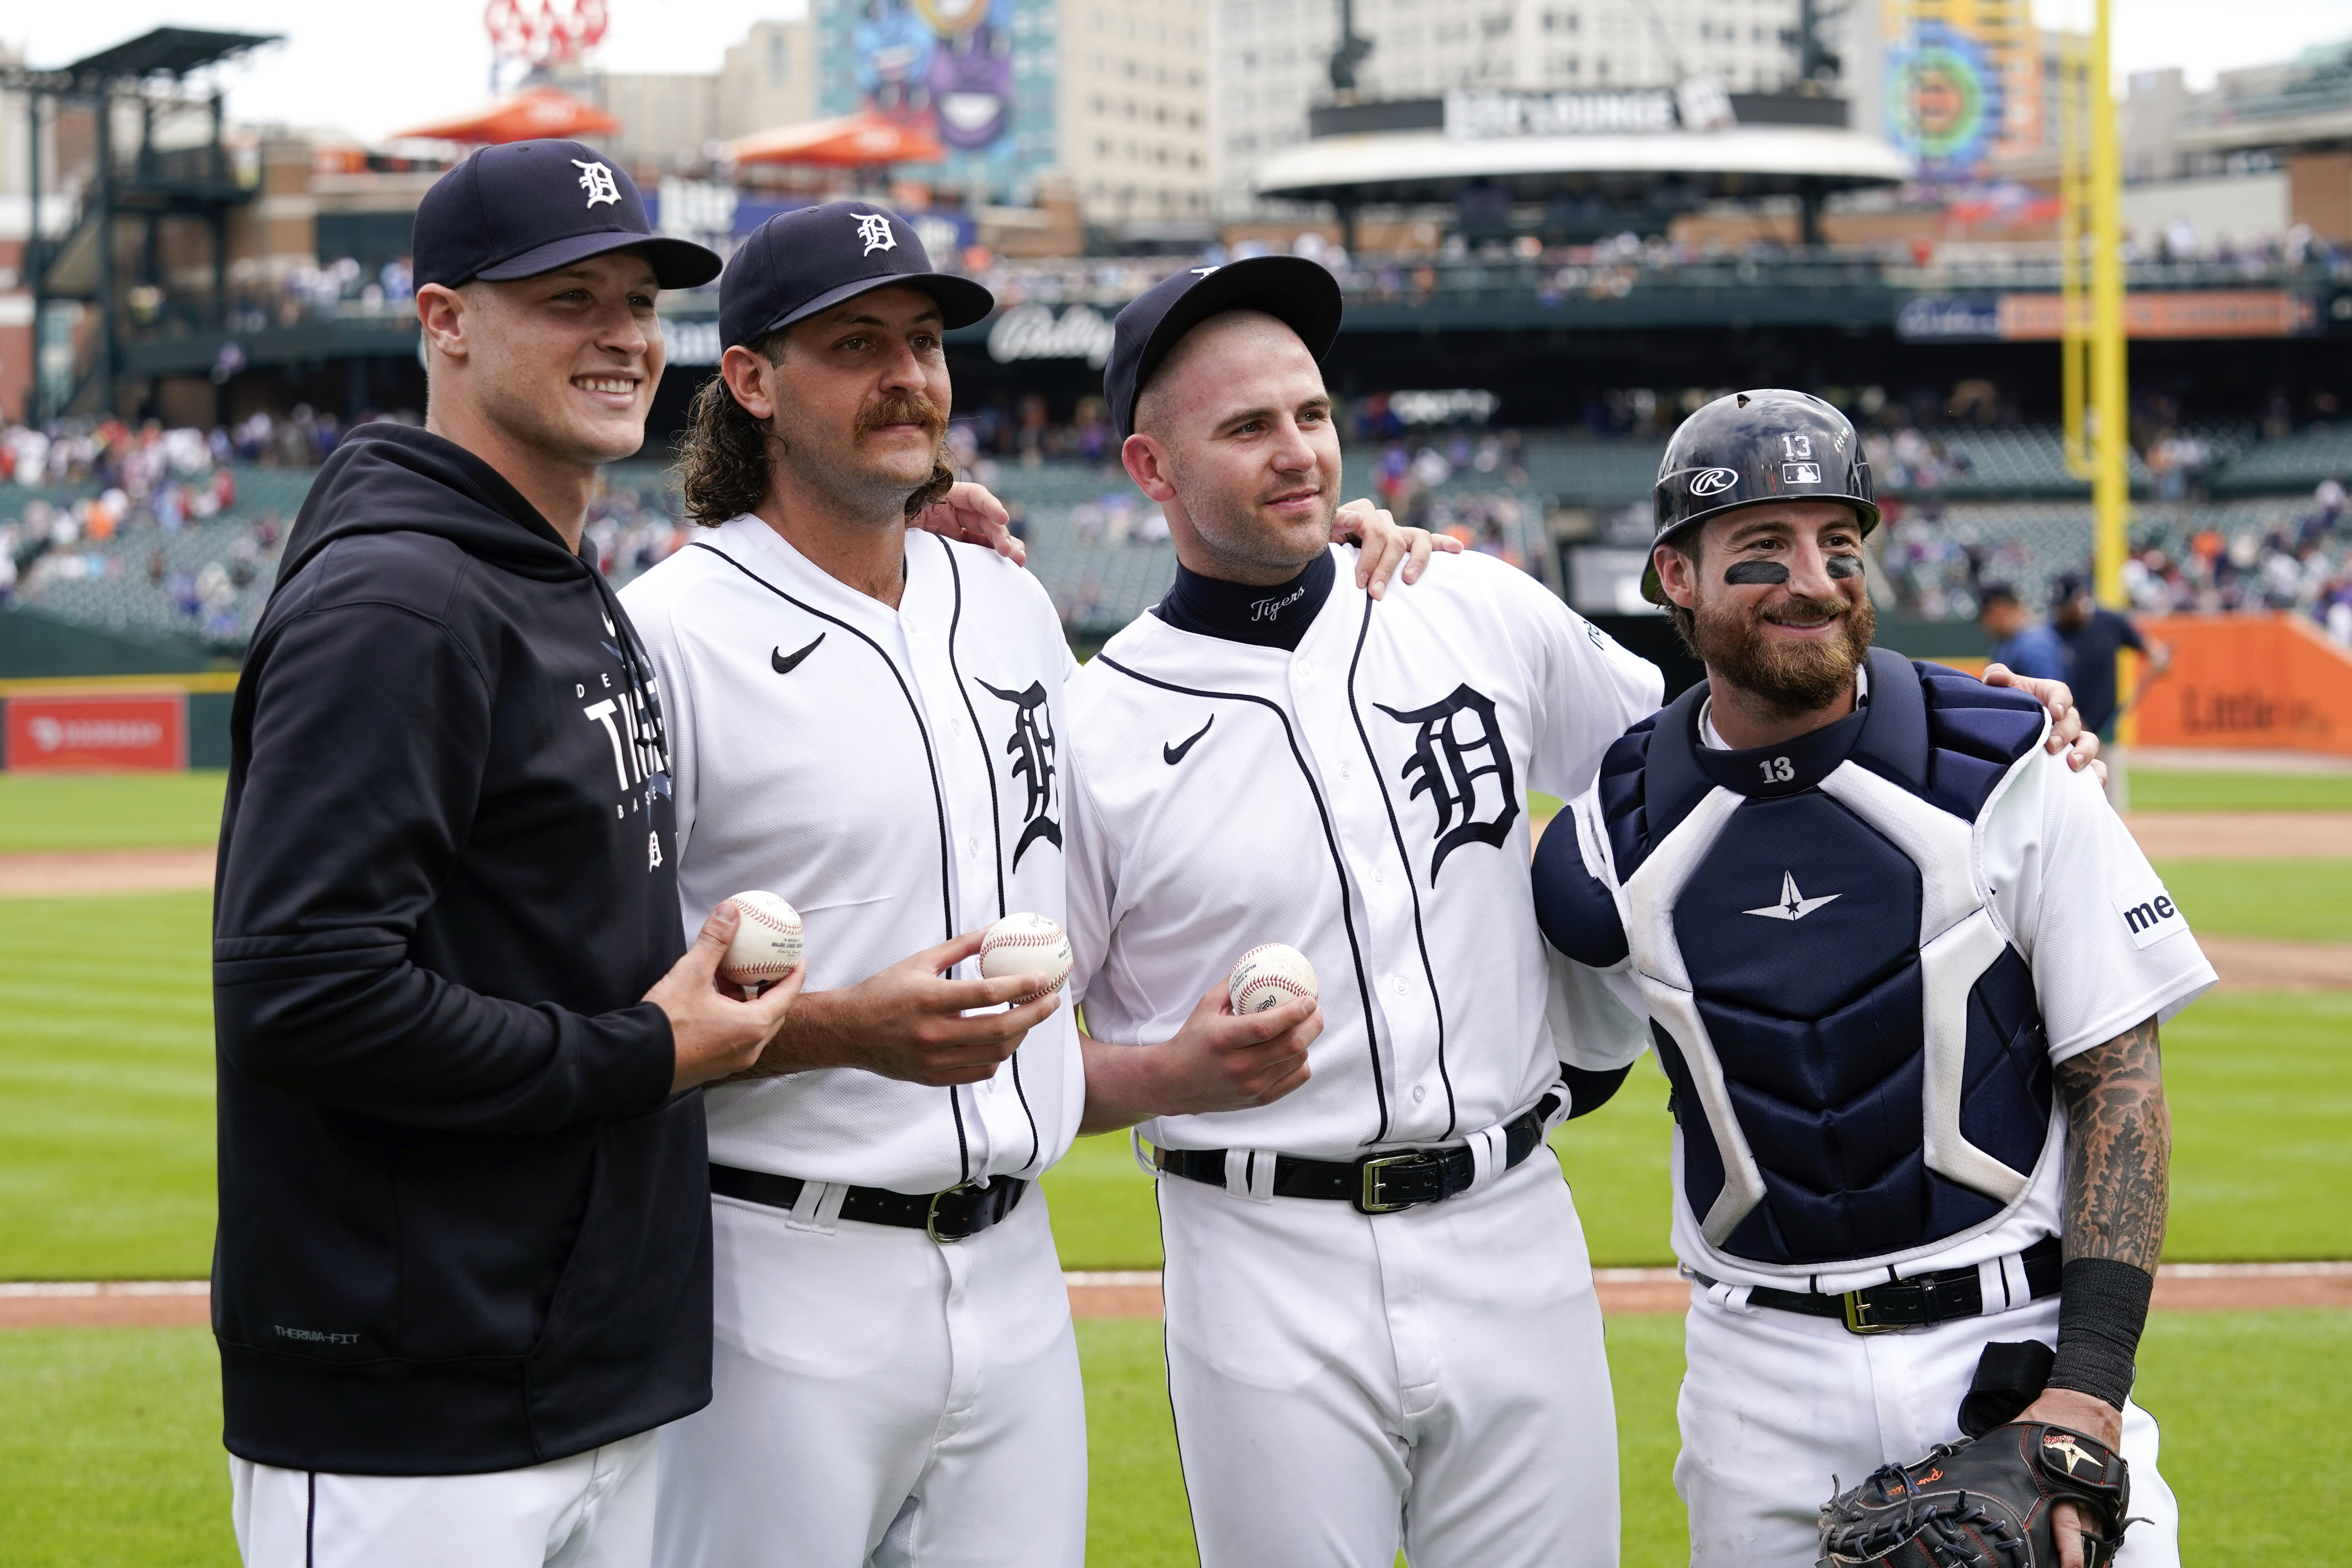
(1577, 914)
(2149, 915)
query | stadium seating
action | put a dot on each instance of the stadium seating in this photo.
(1993, 501)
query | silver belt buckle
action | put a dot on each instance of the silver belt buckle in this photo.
(1371, 1200)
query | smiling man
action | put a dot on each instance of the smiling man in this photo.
(1905, 972)
(464, 1261)
(1383, 1331)
(866, 721)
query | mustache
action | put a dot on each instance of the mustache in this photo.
(903, 408)
(1789, 610)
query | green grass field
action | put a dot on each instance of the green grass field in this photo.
(108, 811)
(109, 1443)
(106, 1118)
(2160, 789)
(2305, 900)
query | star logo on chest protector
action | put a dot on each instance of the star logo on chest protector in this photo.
(1793, 905)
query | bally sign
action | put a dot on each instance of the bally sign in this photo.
(144, 729)
(1033, 331)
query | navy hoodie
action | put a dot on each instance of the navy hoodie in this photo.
(464, 1224)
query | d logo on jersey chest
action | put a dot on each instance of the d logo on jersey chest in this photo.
(1457, 742)
(1031, 747)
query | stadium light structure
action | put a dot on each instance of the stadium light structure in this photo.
(151, 185)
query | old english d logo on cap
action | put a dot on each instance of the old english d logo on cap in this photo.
(596, 179)
(524, 208)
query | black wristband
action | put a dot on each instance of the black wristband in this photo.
(2102, 1309)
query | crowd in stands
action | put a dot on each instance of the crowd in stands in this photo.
(85, 499)
(2251, 556)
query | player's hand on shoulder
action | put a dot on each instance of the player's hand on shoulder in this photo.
(1383, 545)
(912, 1022)
(2066, 731)
(717, 1032)
(1225, 1060)
(971, 514)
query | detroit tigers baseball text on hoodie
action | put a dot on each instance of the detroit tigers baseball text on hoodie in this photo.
(464, 1224)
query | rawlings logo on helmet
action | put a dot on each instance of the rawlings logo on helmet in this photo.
(1713, 481)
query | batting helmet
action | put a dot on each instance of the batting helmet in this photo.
(1751, 448)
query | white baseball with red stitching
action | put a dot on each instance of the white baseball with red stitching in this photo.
(1269, 975)
(767, 942)
(1026, 945)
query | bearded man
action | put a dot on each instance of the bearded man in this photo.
(1904, 971)
(871, 723)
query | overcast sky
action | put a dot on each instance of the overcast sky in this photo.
(370, 69)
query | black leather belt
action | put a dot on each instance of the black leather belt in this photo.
(1377, 1183)
(950, 1216)
(1915, 1302)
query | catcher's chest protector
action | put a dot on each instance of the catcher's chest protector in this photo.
(1857, 1059)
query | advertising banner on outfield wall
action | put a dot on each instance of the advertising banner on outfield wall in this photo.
(2042, 317)
(147, 731)
(2249, 682)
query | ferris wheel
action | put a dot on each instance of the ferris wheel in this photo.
(542, 35)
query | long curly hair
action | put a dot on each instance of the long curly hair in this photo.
(721, 467)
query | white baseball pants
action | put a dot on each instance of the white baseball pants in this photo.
(881, 1398)
(1774, 1403)
(1347, 1384)
(590, 1511)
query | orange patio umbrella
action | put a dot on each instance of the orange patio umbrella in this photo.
(859, 140)
(534, 112)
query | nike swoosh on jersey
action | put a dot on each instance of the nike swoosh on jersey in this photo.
(1172, 755)
(785, 663)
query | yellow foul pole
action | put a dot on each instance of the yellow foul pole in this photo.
(2110, 486)
(2110, 397)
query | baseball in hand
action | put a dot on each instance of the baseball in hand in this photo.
(767, 942)
(1026, 945)
(1269, 976)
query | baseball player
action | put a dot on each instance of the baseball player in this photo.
(1382, 1329)
(872, 725)
(1905, 972)
(464, 1263)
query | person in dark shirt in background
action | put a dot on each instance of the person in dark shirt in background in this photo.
(2019, 641)
(2092, 638)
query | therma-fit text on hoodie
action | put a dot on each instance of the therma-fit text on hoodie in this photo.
(1364, 800)
(896, 775)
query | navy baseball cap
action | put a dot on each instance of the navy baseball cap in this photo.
(1300, 293)
(810, 260)
(529, 207)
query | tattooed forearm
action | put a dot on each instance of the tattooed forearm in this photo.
(2119, 1141)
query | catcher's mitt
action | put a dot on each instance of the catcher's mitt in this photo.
(1981, 1503)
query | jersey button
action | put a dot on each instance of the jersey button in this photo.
(1398, 985)
(1420, 1093)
